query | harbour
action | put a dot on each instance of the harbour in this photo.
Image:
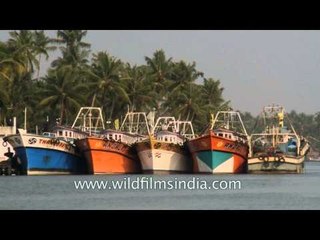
(79, 133)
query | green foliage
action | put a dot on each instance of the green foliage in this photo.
(171, 87)
(74, 80)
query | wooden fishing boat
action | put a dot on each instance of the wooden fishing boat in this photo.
(223, 147)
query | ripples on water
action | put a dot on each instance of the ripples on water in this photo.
(268, 191)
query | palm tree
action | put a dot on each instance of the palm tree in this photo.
(43, 46)
(159, 74)
(75, 51)
(23, 50)
(212, 91)
(137, 88)
(106, 83)
(9, 66)
(64, 91)
(183, 75)
(12, 72)
(186, 104)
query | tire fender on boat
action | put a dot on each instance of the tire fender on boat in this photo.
(264, 158)
(157, 145)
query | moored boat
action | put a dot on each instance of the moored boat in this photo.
(164, 151)
(45, 154)
(52, 153)
(112, 151)
(223, 147)
(278, 148)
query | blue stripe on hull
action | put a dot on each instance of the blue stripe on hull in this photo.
(213, 158)
(47, 160)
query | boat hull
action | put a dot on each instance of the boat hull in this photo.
(212, 154)
(276, 165)
(163, 158)
(37, 155)
(108, 157)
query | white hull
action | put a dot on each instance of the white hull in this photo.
(158, 160)
(41, 142)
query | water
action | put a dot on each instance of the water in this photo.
(268, 191)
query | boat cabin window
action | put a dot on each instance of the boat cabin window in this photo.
(220, 134)
(66, 133)
(120, 136)
(110, 136)
(60, 133)
(116, 137)
(70, 134)
(166, 139)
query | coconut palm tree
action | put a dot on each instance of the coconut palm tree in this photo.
(137, 88)
(43, 45)
(22, 46)
(63, 90)
(212, 96)
(183, 75)
(105, 82)
(159, 75)
(74, 51)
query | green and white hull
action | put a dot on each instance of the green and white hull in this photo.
(285, 164)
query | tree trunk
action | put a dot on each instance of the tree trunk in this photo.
(38, 75)
(112, 108)
(93, 100)
(62, 112)
(188, 115)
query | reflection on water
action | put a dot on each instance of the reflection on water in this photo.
(268, 191)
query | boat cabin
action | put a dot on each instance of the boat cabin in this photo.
(227, 134)
(169, 137)
(119, 136)
(67, 134)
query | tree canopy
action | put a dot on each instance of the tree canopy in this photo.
(81, 77)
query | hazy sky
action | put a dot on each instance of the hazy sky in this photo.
(256, 68)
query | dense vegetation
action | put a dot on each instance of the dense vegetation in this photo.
(82, 78)
(75, 79)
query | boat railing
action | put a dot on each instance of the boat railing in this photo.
(230, 120)
(135, 123)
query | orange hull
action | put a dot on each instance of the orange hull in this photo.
(108, 157)
(213, 154)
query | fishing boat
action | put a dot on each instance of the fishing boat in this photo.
(44, 154)
(164, 151)
(52, 153)
(112, 151)
(278, 148)
(222, 147)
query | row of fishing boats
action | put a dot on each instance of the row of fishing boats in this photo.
(166, 145)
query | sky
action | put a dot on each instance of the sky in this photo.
(256, 68)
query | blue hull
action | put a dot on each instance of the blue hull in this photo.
(49, 161)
